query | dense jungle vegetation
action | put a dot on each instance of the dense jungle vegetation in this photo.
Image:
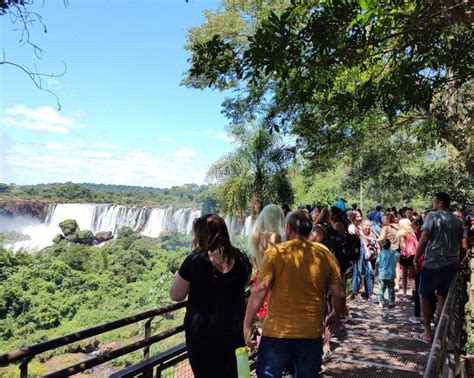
(69, 287)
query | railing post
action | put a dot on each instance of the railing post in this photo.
(146, 350)
(148, 372)
(24, 367)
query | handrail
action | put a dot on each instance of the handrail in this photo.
(81, 366)
(447, 344)
(27, 353)
(139, 368)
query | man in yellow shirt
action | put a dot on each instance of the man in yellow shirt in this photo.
(299, 275)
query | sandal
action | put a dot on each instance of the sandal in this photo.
(327, 356)
(419, 337)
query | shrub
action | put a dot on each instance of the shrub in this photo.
(68, 227)
(58, 238)
(85, 237)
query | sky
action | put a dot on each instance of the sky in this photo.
(124, 118)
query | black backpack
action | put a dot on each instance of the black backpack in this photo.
(352, 247)
(335, 243)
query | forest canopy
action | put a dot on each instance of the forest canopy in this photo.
(369, 83)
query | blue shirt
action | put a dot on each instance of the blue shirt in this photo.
(387, 260)
(378, 217)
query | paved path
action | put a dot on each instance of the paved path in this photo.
(378, 343)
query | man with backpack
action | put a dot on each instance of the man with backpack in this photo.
(330, 229)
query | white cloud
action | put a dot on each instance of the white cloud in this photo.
(184, 154)
(34, 126)
(44, 119)
(97, 154)
(65, 146)
(69, 161)
(105, 145)
(212, 134)
(220, 136)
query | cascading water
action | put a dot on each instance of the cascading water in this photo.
(114, 217)
(247, 229)
(105, 217)
(83, 214)
(158, 222)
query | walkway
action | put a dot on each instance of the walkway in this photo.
(378, 343)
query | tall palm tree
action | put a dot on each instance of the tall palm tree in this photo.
(255, 173)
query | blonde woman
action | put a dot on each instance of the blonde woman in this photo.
(408, 244)
(268, 230)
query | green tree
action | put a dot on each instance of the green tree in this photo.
(321, 188)
(71, 192)
(323, 69)
(209, 199)
(77, 256)
(255, 174)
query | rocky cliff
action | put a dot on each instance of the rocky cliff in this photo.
(36, 209)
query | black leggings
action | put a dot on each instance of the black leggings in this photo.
(213, 357)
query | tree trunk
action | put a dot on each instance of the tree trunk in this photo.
(256, 206)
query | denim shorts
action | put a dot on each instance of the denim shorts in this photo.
(275, 355)
(436, 281)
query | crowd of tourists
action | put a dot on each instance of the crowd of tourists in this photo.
(299, 260)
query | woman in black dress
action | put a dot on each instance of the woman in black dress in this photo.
(213, 277)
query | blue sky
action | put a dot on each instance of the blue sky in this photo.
(125, 119)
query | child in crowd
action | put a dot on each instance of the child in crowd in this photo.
(387, 263)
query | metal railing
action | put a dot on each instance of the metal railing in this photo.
(157, 366)
(450, 337)
(26, 354)
(347, 278)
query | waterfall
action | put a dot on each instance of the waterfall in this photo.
(114, 217)
(83, 214)
(158, 222)
(247, 229)
(106, 217)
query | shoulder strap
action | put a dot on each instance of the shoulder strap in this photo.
(324, 228)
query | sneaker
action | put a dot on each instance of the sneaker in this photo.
(380, 305)
(358, 298)
(414, 320)
(373, 298)
(397, 287)
(391, 305)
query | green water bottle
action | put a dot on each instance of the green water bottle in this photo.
(242, 356)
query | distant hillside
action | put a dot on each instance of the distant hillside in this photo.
(102, 187)
(190, 195)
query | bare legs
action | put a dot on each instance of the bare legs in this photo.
(397, 276)
(407, 276)
(426, 308)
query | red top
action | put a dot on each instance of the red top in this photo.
(262, 312)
